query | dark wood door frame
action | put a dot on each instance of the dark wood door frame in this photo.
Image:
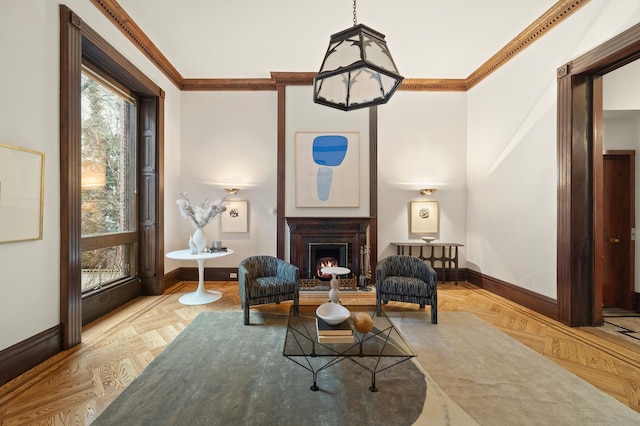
(579, 167)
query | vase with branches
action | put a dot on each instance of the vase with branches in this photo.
(199, 216)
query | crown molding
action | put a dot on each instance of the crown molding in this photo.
(293, 78)
(560, 11)
(227, 84)
(550, 19)
(121, 19)
(434, 85)
(306, 79)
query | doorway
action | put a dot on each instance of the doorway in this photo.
(578, 156)
(618, 215)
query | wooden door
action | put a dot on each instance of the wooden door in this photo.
(618, 221)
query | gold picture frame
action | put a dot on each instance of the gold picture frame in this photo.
(424, 217)
(21, 194)
(236, 217)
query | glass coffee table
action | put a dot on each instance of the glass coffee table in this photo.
(380, 349)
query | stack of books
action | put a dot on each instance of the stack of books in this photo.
(339, 333)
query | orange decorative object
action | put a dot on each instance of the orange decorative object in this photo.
(362, 322)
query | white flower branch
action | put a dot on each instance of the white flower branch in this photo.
(200, 216)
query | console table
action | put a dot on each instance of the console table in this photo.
(448, 255)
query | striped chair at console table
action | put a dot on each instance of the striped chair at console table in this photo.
(266, 279)
(406, 279)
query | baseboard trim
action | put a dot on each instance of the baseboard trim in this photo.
(25, 355)
(534, 301)
(210, 274)
(191, 274)
(449, 274)
(170, 279)
(108, 299)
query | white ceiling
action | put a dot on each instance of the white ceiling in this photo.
(251, 38)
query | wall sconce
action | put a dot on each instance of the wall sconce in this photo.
(428, 191)
(232, 191)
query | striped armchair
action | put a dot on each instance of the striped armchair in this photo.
(406, 279)
(266, 279)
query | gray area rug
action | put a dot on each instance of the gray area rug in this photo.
(220, 372)
(497, 380)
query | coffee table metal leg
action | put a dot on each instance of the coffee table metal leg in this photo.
(373, 387)
(315, 387)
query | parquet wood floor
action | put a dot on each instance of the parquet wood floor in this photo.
(75, 386)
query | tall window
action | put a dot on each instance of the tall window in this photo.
(108, 183)
(111, 220)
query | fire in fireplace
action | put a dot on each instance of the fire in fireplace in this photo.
(322, 255)
(325, 262)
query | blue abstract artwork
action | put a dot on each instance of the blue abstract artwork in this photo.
(328, 151)
(327, 169)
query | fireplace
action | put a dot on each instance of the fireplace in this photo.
(341, 239)
(322, 255)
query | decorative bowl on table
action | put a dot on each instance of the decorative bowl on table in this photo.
(428, 239)
(333, 313)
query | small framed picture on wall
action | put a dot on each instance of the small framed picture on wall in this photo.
(236, 217)
(424, 217)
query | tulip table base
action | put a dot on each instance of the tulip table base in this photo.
(201, 296)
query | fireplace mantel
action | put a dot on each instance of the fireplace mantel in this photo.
(305, 230)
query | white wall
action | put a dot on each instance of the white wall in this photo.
(621, 88)
(229, 139)
(29, 270)
(421, 144)
(511, 157)
(29, 118)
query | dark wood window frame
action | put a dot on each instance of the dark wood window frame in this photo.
(79, 44)
(579, 176)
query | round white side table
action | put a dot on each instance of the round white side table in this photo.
(334, 293)
(201, 295)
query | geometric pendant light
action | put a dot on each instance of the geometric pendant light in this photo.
(357, 71)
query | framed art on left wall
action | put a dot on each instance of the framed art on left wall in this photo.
(21, 194)
(236, 217)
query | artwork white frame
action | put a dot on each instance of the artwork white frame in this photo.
(236, 217)
(343, 189)
(424, 217)
(21, 194)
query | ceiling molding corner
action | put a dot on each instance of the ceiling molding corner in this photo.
(121, 19)
(549, 20)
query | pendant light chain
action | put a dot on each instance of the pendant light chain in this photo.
(355, 21)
